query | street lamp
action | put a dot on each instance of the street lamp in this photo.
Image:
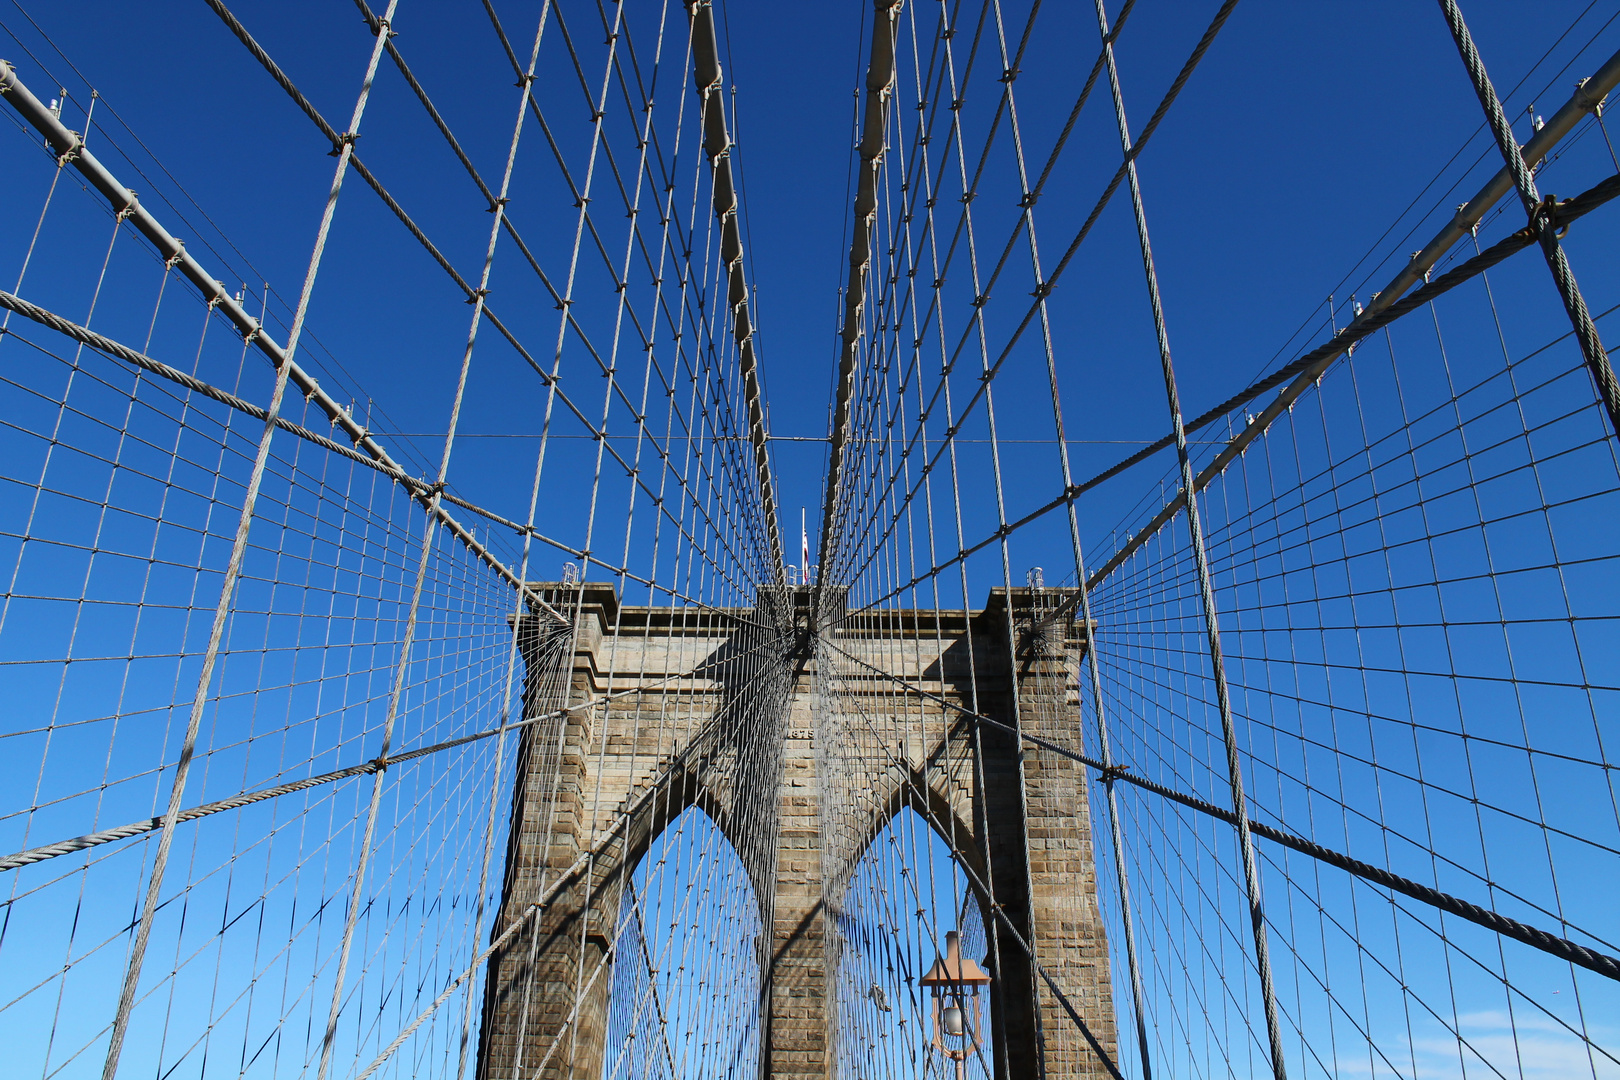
(954, 983)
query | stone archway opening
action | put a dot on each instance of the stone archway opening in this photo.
(685, 995)
(906, 893)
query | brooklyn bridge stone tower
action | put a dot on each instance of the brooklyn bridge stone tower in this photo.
(595, 787)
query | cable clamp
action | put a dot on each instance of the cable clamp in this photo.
(1111, 773)
(348, 139)
(1586, 101)
(476, 295)
(1545, 215)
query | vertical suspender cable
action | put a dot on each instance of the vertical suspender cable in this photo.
(233, 570)
(1206, 589)
(496, 773)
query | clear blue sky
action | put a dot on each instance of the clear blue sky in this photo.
(1298, 148)
(1306, 132)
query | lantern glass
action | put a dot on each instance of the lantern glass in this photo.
(952, 1020)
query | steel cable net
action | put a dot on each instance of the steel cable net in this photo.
(1385, 651)
(351, 736)
(288, 679)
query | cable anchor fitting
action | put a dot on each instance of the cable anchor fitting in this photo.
(72, 152)
(1586, 101)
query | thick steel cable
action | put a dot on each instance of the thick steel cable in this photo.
(1206, 588)
(1299, 373)
(1083, 594)
(1026, 947)
(718, 147)
(422, 489)
(564, 298)
(877, 403)
(873, 142)
(1163, 107)
(729, 616)
(1562, 948)
(1187, 69)
(1305, 370)
(587, 225)
(70, 149)
(1588, 94)
(1546, 231)
(227, 595)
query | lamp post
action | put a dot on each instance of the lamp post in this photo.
(954, 983)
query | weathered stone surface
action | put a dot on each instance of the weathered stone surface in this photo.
(607, 780)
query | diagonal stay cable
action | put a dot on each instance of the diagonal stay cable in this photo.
(1586, 99)
(1546, 232)
(1045, 288)
(70, 147)
(1567, 212)
(248, 798)
(1563, 948)
(420, 488)
(987, 898)
(308, 108)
